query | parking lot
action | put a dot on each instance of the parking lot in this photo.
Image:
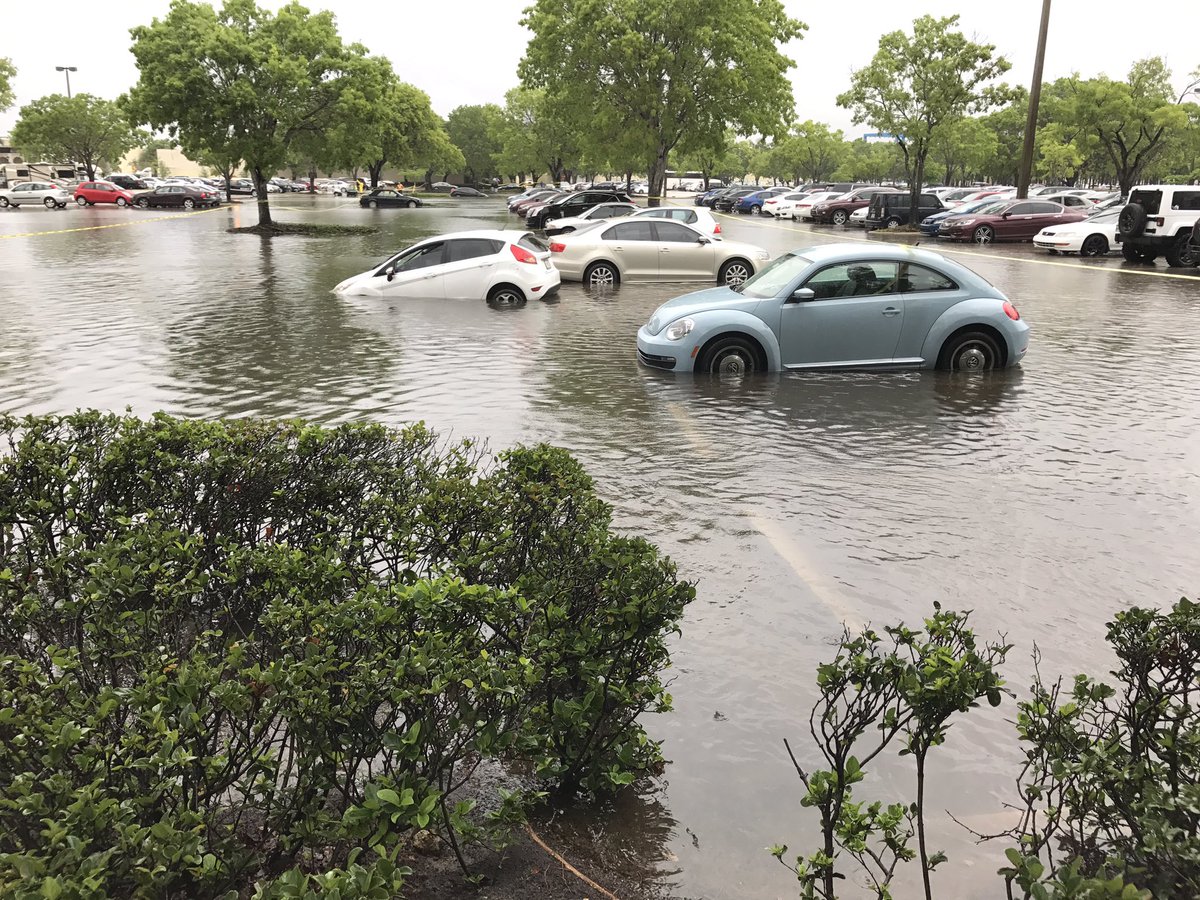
(1043, 497)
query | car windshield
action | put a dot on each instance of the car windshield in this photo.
(990, 207)
(775, 276)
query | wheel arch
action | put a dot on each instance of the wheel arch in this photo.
(604, 260)
(500, 285)
(713, 326)
(981, 314)
(986, 328)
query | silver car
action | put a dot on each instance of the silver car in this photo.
(642, 249)
(842, 306)
(29, 193)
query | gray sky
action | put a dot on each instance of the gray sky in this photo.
(466, 51)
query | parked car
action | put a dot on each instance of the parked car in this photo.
(1016, 220)
(608, 186)
(88, 193)
(931, 225)
(571, 204)
(464, 191)
(753, 203)
(597, 213)
(841, 306)
(528, 194)
(388, 197)
(892, 210)
(1094, 236)
(704, 198)
(30, 193)
(178, 196)
(700, 219)
(724, 202)
(1158, 221)
(128, 182)
(441, 187)
(652, 250)
(837, 210)
(541, 198)
(1071, 200)
(781, 205)
(505, 268)
(858, 218)
(803, 208)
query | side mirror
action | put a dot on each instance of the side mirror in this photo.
(390, 272)
(1005, 215)
(703, 240)
(801, 295)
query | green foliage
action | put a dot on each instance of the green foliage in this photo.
(916, 84)
(539, 135)
(7, 73)
(652, 75)
(254, 652)
(81, 129)
(244, 83)
(812, 152)
(871, 162)
(148, 155)
(478, 131)
(963, 147)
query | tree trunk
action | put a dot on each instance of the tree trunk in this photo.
(429, 179)
(374, 169)
(90, 168)
(227, 174)
(920, 757)
(260, 189)
(914, 189)
(705, 182)
(658, 177)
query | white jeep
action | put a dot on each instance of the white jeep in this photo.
(1157, 221)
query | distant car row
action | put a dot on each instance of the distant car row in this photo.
(90, 193)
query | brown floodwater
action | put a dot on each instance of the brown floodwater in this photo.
(1044, 498)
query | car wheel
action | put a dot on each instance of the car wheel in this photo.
(601, 274)
(372, 205)
(142, 204)
(1132, 220)
(840, 216)
(505, 297)
(3, 203)
(756, 210)
(121, 201)
(81, 201)
(971, 351)
(893, 222)
(735, 272)
(567, 230)
(189, 203)
(1094, 245)
(984, 234)
(49, 203)
(1180, 254)
(731, 355)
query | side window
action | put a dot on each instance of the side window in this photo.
(856, 279)
(532, 242)
(899, 201)
(1186, 200)
(914, 278)
(422, 258)
(630, 231)
(927, 200)
(686, 215)
(468, 248)
(674, 233)
(1043, 208)
(1021, 209)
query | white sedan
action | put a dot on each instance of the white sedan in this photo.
(804, 207)
(781, 205)
(653, 249)
(506, 268)
(696, 216)
(589, 217)
(858, 218)
(35, 193)
(1094, 236)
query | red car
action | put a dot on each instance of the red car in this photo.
(523, 208)
(1007, 220)
(88, 193)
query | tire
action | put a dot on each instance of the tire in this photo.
(983, 235)
(756, 210)
(970, 351)
(189, 203)
(504, 296)
(601, 274)
(893, 222)
(122, 202)
(730, 355)
(1132, 220)
(142, 203)
(1180, 255)
(734, 272)
(840, 217)
(49, 203)
(1094, 245)
(81, 201)
(372, 205)
(1136, 254)
(3, 203)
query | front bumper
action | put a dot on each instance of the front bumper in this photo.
(655, 351)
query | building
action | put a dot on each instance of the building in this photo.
(878, 137)
(15, 168)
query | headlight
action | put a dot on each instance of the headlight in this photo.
(965, 222)
(677, 330)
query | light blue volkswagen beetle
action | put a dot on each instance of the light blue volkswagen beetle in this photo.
(842, 306)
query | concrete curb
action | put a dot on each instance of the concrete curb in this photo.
(891, 236)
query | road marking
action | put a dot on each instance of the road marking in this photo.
(114, 225)
(941, 248)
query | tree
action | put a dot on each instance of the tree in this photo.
(83, 129)
(478, 131)
(7, 72)
(963, 147)
(917, 83)
(812, 152)
(243, 83)
(440, 155)
(540, 134)
(669, 73)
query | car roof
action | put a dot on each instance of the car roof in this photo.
(493, 234)
(832, 253)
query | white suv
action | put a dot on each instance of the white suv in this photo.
(1158, 221)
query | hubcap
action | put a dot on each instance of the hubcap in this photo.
(893, 224)
(983, 236)
(972, 359)
(506, 298)
(732, 363)
(736, 275)
(601, 275)
(839, 218)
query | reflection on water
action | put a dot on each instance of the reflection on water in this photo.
(1043, 497)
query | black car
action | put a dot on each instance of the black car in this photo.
(572, 205)
(176, 195)
(387, 197)
(892, 210)
(726, 201)
(128, 182)
(464, 191)
(240, 187)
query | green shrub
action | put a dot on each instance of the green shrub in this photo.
(245, 652)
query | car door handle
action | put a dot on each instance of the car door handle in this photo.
(618, 248)
(891, 311)
(664, 249)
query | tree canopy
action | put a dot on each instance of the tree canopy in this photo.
(82, 129)
(661, 74)
(243, 82)
(7, 72)
(478, 131)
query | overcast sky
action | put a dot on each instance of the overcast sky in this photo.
(466, 51)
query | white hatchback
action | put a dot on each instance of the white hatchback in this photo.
(35, 193)
(506, 268)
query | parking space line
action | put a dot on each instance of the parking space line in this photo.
(941, 248)
(113, 225)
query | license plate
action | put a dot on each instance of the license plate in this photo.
(546, 263)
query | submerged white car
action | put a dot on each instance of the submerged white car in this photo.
(589, 217)
(1094, 236)
(505, 268)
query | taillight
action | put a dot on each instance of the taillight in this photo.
(521, 255)
(1159, 221)
(1011, 311)
(558, 248)
(717, 230)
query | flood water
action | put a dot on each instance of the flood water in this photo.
(1045, 498)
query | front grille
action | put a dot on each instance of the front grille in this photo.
(657, 362)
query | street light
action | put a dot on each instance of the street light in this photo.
(68, 70)
(1190, 89)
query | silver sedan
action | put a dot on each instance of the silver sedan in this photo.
(642, 249)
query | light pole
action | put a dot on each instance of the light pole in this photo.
(68, 70)
(1190, 89)
(1035, 95)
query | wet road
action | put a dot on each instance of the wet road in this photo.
(1044, 497)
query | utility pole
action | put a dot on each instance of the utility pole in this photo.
(1035, 96)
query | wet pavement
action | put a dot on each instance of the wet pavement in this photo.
(1044, 497)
